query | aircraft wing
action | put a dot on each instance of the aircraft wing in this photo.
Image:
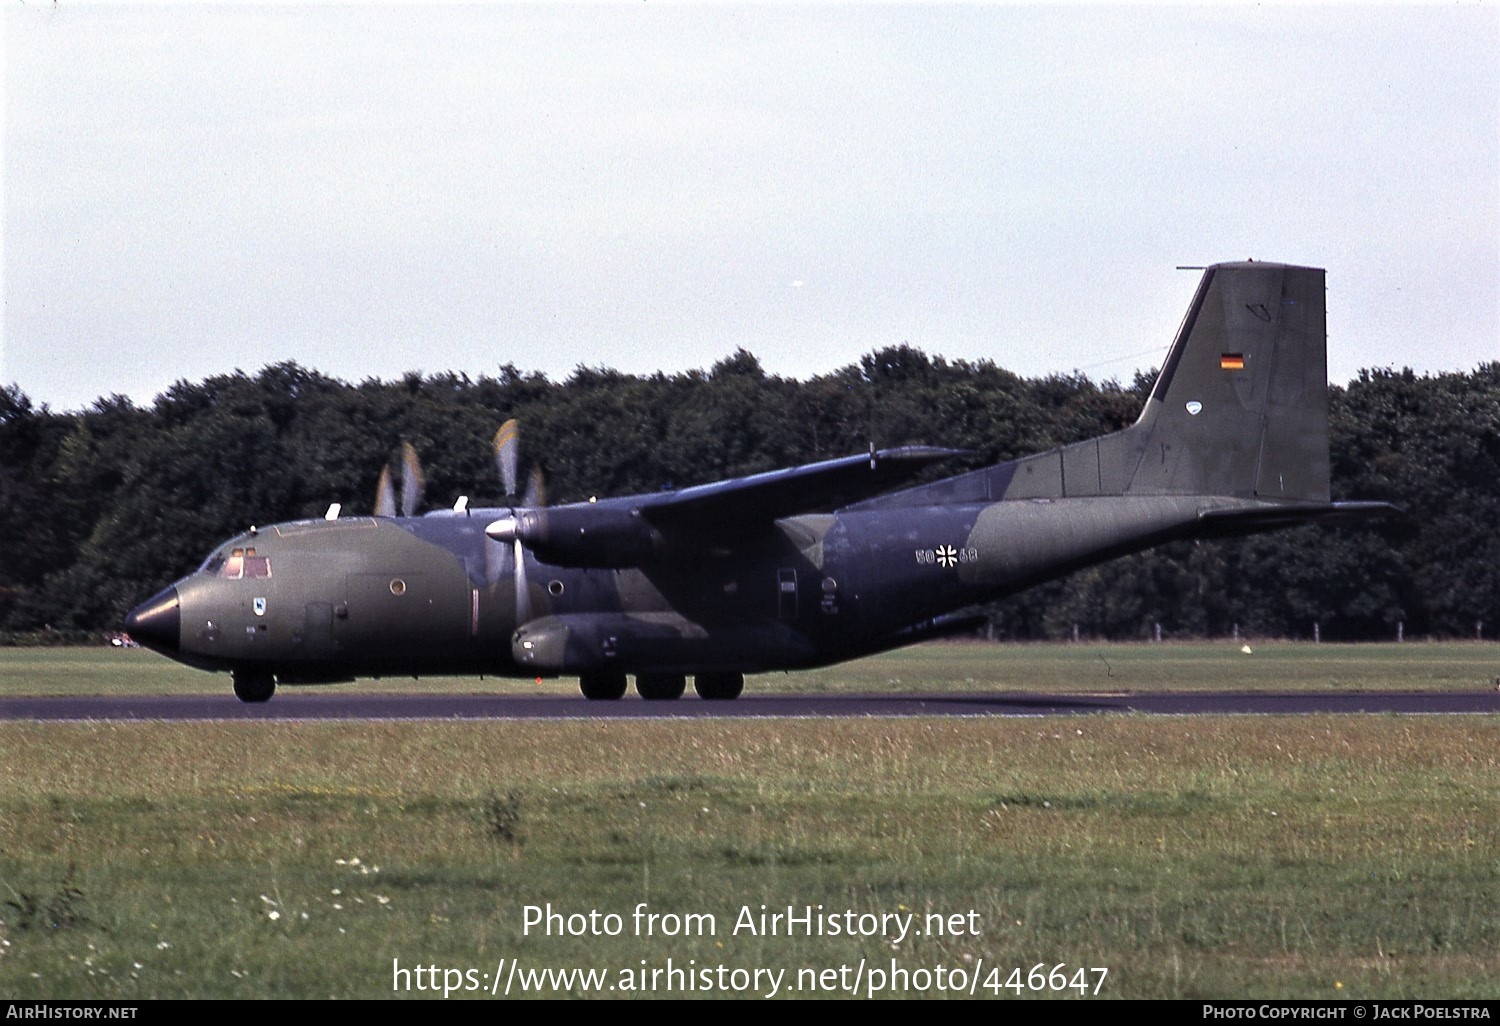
(730, 506)
(635, 529)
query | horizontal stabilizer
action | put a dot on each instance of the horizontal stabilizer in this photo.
(1229, 522)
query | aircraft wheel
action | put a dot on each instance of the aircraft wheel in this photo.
(253, 685)
(719, 686)
(602, 686)
(660, 686)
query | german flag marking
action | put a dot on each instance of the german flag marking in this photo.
(1232, 361)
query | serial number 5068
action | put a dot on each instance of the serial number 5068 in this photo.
(946, 555)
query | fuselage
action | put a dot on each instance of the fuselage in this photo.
(317, 600)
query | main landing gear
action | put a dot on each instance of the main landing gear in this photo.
(719, 686)
(658, 687)
(602, 686)
(254, 685)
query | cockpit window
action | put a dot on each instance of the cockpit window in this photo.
(238, 564)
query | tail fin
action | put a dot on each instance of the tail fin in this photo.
(1240, 409)
(1241, 406)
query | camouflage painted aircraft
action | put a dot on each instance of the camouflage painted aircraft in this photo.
(785, 570)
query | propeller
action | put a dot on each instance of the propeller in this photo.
(507, 448)
(413, 483)
(385, 494)
(523, 591)
(536, 488)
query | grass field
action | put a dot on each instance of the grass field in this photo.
(939, 667)
(1321, 857)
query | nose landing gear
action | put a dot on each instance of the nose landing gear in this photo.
(254, 685)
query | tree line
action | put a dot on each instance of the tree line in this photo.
(99, 508)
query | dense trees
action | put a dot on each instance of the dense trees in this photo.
(100, 507)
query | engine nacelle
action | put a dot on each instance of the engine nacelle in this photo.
(582, 536)
(652, 643)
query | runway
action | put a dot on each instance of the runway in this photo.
(323, 705)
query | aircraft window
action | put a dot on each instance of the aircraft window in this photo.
(240, 563)
(234, 566)
(555, 588)
(257, 566)
(398, 587)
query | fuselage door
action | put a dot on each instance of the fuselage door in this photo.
(786, 593)
(317, 629)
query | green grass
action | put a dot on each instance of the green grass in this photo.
(938, 667)
(1198, 666)
(1313, 857)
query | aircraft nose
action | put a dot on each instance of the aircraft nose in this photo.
(157, 622)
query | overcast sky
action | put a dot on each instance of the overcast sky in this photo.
(371, 190)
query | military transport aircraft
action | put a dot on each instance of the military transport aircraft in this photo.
(790, 569)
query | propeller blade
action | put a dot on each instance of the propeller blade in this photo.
(413, 481)
(536, 489)
(523, 593)
(508, 529)
(507, 446)
(385, 495)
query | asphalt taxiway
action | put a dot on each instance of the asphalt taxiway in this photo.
(290, 704)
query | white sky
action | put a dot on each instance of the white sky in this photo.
(370, 190)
